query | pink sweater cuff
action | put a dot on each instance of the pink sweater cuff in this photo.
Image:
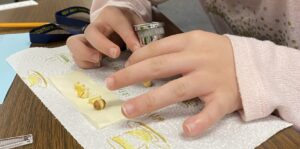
(141, 7)
(268, 76)
(253, 93)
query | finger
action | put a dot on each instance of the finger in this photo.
(197, 124)
(82, 51)
(99, 40)
(155, 68)
(166, 45)
(122, 26)
(86, 64)
(175, 91)
(127, 34)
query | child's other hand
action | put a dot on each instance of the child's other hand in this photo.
(102, 37)
(206, 63)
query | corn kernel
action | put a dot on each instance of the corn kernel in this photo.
(147, 83)
(99, 104)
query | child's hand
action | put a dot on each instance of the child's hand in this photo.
(206, 63)
(100, 37)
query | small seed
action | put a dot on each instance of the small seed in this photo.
(147, 83)
(99, 104)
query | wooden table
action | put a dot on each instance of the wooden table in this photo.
(23, 113)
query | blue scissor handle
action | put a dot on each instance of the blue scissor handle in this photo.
(66, 26)
(40, 34)
(63, 19)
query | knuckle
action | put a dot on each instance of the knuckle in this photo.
(89, 29)
(78, 50)
(106, 14)
(150, 102)
(180, 89)
(70, 47)
(197, 34)
(157, 64)
(71, 40)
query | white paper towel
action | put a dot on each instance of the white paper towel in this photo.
(161, 129)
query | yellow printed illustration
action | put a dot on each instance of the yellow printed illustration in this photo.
(81, 90)
(62, 57)
(140, 136)
(99, 105)
(35, 78)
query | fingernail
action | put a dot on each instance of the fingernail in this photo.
(127, 109)
(113, 52)
(109, 82)
(189, 128)
(95, 58)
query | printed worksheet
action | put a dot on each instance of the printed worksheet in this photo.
(70, 94)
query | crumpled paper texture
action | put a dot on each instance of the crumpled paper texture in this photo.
(161, 129)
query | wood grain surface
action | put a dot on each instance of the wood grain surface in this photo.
(23, 113)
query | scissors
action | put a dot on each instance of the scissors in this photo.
(65, 26)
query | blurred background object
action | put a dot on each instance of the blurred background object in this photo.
(186, 14)
(12, 4)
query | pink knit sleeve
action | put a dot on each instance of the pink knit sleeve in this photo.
(269, 79)
(141, 7)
